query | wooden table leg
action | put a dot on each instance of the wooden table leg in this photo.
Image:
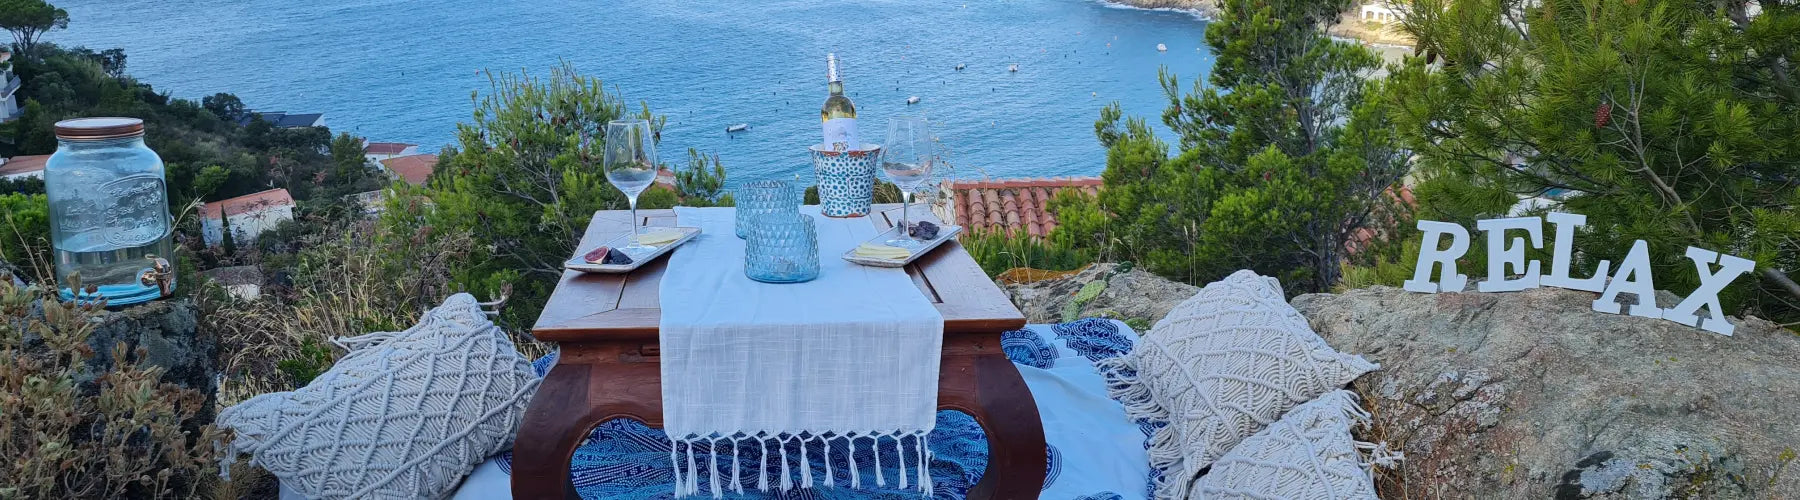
(553, 427)
(590, 384)
(986, 385)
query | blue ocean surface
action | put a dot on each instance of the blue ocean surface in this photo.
(405, 71)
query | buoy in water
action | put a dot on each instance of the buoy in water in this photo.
(1162, 48)
(1013, 68)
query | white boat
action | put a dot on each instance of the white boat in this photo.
(1014, 68)
(912, 100)
(959, 67)
(1162, 48)
(737, 128)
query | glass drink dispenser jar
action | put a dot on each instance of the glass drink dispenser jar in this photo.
(109, 211)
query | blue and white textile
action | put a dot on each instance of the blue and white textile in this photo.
(1095, 452)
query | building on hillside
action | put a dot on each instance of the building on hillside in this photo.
(377, 151)
(1013, 206)
(370, 201)
(249, 215)
(9, 83)
(1381, 11)
(242, 282)
(23, 167)
(283, 119)
(413, 169)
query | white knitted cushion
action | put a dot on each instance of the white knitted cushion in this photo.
(403, 415)
(1220, 367)
(1307, 455)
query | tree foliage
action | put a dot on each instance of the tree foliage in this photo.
(1674, 122)
(30, 19)
(1284, 155)
(523, 180)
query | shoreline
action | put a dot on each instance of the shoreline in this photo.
(1348, 26)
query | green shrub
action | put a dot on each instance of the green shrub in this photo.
(997, 252)
(25, 234)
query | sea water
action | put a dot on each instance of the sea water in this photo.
(403, 71)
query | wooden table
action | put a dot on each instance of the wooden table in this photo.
(606, 326)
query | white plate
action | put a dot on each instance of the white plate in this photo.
(945, 233)
(577, 263)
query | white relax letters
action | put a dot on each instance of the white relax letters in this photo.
(1633, 277)
(1707, 294)
(1430, 254)
(1500, 255)
(1563, 256)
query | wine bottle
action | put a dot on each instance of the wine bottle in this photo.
(838, 114)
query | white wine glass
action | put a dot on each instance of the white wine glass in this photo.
(630, 165)
(906, 158)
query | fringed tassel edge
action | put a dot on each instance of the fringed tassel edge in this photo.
(687, 477)
(1123, 385)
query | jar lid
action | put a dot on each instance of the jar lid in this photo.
(78, 129)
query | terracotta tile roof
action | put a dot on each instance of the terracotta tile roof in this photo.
(248, 203)
(23, 164)
(388, 148)
(1012, 205)
(412, 169)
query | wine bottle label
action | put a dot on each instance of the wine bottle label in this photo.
(840, 134)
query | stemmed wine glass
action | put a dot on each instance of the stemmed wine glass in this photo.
(630, 165)
(906, 157)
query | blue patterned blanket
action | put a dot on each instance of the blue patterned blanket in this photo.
(1095, 452)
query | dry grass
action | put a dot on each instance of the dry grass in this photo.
(352, 280)
(123, 434)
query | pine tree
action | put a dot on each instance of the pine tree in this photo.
(1672, 121)
(1284, 156)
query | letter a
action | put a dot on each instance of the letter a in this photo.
(1707, 294)
(1429, 254)
(1634, 277)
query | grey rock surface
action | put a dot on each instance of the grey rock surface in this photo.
(1136, 296)
(167, 330)
(1534, 395)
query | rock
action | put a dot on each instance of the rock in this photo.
(1208, 8)
(1136, 296)
(167, 330)
(1533, 394)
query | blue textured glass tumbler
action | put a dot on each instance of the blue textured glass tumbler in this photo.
(782, 248)
(764, 197)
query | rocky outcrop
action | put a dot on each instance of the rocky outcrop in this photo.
(1206, 7)
(167, 332)
(1534, 395)
(1102, 290)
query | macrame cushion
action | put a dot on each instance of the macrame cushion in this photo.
(402, 415)
(1221, 366)
(1307, 454)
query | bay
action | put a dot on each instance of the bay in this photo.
(404, 71)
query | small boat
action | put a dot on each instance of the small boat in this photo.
(959, 67)
(737, 128)
(912, 100)
(1014, 68)
(1162, 48)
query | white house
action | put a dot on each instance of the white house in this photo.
(249, 216)
(23, 167)
(377, 151)
(9, 83)
(1380, 11)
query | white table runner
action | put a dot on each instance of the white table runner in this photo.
(849, 360)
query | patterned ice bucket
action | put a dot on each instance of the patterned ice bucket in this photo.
(846, 179)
